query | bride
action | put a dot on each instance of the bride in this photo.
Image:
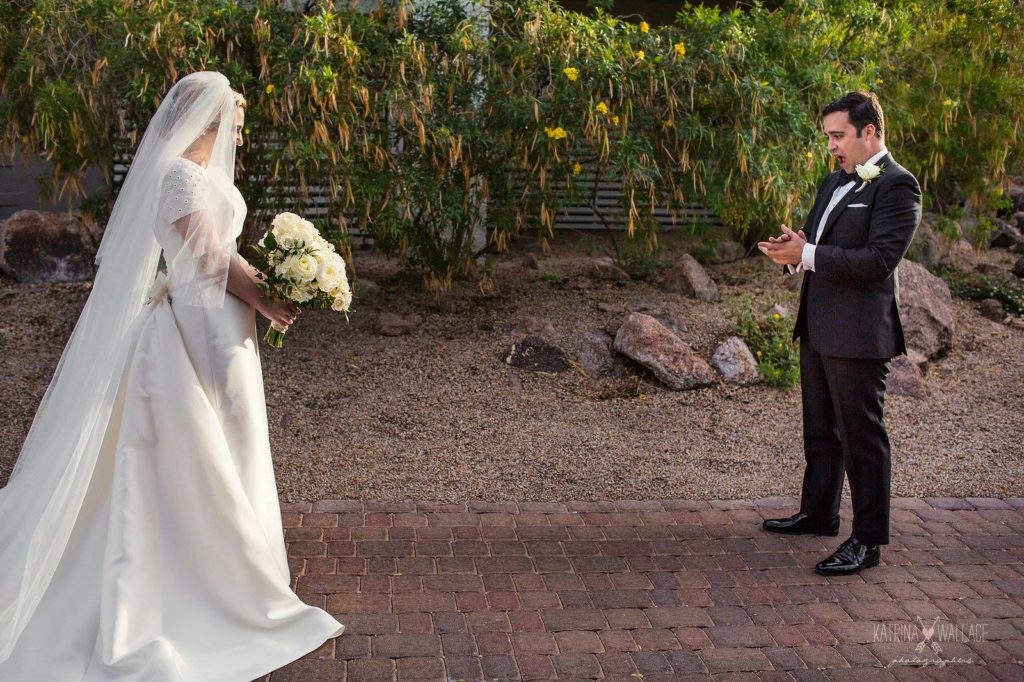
(142, 535)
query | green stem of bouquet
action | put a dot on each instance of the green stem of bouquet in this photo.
(274, 337)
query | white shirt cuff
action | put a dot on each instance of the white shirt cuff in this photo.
(807, 257)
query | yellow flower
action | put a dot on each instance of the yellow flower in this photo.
(640, 55)
(601, 108)
(247, 131)
(759, 353)
(680, 49)
(950, 102)
(780, 344)
(644, 27)
(810, 155)
(576, 168)
(878, 81)
(571, 73)
(667, 124)
(270, 89)
(776, 317)
(555, 133)
(615, 120)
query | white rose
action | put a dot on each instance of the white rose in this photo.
(303, 267)
(286, 237)
(868, 171)
(284, 267)
(307, 232)
(301, 294)
(286, 220)
(329, 277)
(342, 299)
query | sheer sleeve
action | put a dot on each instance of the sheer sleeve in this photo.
(196, 221)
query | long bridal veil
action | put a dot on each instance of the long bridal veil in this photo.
(44, 495)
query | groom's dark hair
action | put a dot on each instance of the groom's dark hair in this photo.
(862, 107)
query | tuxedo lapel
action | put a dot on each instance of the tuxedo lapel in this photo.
(839, 208)
(819, 208)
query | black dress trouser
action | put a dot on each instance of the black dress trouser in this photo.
(844, 432)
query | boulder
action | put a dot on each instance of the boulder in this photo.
(1018, 220)
(992, 309)
(926, 248)
(688, 277)
(530, 260)
(596, 358)
(48, 247)
(1018, 267)
(926, 310)
(729, 252)
(1016, 194)
(1006, 237)
(392, 324)
(906, 378)
(605, 268)
(649, 343)
(537, 355)
(736, 363)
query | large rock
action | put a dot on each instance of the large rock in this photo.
(647, 341)
(1006, 237)
(926, 248)
(688, 277)
(906, 378)
(992, 309)
(594, 351)
(729, 252)
(48, 247)
(605, 268)
(1018, 267)
(537, 355)
(926, 310)
(736, 363)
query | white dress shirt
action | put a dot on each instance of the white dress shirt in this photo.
(807, 257)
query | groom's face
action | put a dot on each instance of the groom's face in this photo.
(843, 141)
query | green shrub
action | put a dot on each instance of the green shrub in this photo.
(414, 118)
(770, 338)
(974, 286)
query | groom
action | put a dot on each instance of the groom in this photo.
(849, 328)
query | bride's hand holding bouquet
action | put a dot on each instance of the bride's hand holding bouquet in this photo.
(299, 269)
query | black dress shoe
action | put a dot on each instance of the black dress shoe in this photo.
(852, 556)
(802, 524)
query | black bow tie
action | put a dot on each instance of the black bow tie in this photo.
(845, 177)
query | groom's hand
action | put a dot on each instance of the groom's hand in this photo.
(786, 249)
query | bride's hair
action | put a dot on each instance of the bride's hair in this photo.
(239, 99)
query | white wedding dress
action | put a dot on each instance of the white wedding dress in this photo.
(176, 570)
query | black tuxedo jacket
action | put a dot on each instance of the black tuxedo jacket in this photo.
(849, 303)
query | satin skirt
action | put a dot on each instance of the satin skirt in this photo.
(176, 570)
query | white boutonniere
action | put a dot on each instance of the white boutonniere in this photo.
(867, 173)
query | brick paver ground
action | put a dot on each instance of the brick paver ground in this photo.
(653, 590)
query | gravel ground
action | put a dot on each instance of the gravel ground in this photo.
(438, 415)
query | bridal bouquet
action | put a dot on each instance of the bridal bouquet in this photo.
(296, 264)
